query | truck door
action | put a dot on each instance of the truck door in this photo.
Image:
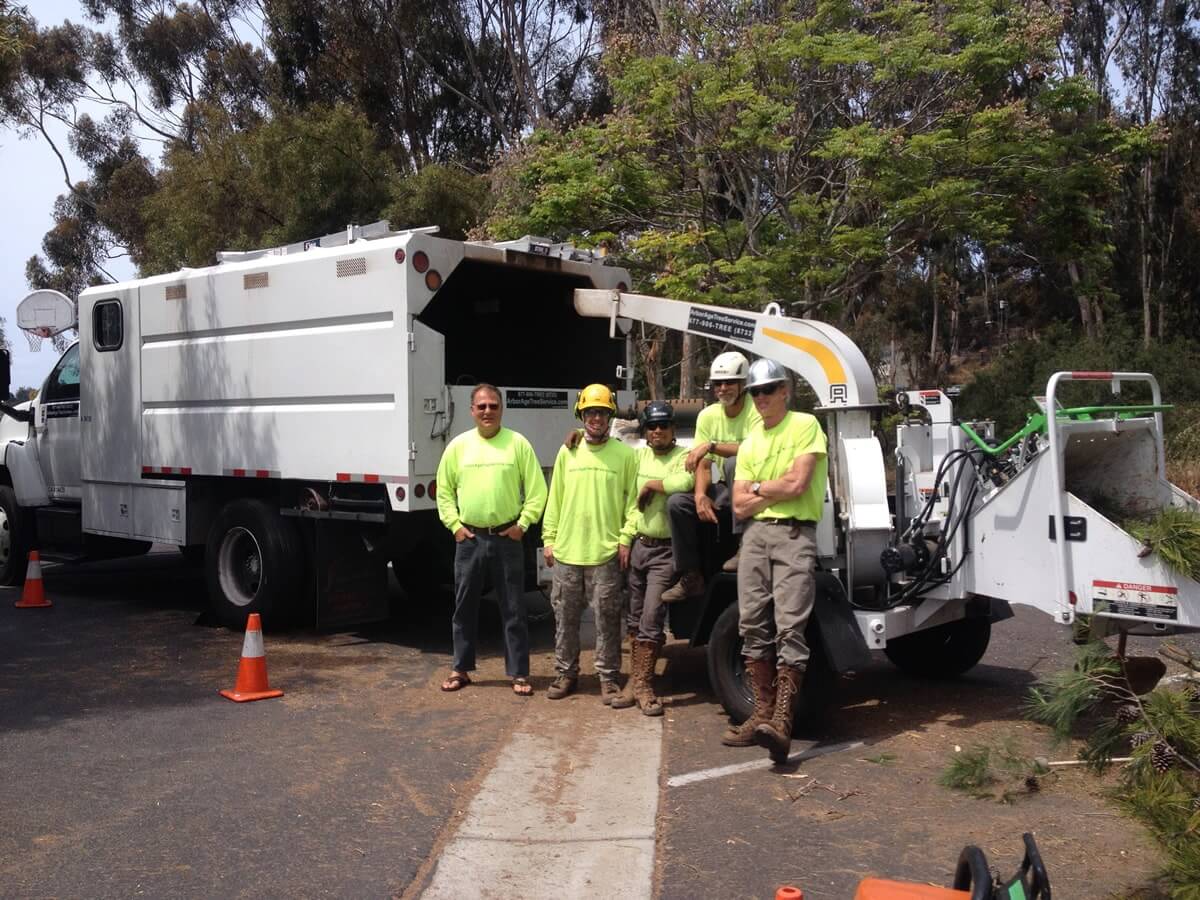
(57, 429)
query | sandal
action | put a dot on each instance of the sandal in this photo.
(521, 686)
(456, 682)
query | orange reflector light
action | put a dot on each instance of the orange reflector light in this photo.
(433, 280)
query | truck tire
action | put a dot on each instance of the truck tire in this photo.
(946, 651)
(254, 562)
(727, 672)
(14, 539)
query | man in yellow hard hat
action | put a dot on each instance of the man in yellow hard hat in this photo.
(591, 495)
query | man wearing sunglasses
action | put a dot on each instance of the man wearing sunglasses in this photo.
(591, 495)
(490, 490)
(780, 485)
(720, 429)
(647, 533)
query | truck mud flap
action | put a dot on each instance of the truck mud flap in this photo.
(352, 581)
(844, 645)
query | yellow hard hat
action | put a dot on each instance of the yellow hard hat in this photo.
(593, 396)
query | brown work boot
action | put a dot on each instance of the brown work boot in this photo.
(609, 691)
(625, 699)
(689, 585)
(731, 564)
(762, 683)
(776, 734)
(561, 687)
(644, 679)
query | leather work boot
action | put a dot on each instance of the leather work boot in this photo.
(609, 691)
(731, 564)
(689, 585)
(561, 687)
(644, 685)
(625, 699)
(776, 734)
(762, 683)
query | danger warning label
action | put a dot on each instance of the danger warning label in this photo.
(1128, 598)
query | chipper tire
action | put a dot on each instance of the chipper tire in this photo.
(16, 526)
(946, 651)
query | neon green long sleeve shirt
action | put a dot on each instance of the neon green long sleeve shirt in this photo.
(591, 494)
(490, 481)
(667, 467)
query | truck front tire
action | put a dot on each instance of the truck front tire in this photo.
(254, 563)
(14, 539)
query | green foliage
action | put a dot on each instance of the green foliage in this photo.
(1174, 534)
(447, 196)
(1161, 785)
(294, 177)
(1061, 698)
(983, 770)
(970, 771)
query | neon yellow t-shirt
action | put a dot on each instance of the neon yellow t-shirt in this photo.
(490, 481)
(767, 453)
(667, 467)
(713, 425)
(591, 494)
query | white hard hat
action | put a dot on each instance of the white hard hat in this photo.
(728, 366)
(766, 371)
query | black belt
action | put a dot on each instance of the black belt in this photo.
(653, 541)
(490, 529)
(791, 523)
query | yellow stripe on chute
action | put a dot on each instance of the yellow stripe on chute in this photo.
(835, 372)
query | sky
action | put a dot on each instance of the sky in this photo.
(31, 178)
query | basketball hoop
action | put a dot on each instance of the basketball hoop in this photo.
(35, 337)
(46, 314)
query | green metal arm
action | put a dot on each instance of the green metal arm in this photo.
(1037, 422)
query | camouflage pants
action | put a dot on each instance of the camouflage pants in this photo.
(575, 587)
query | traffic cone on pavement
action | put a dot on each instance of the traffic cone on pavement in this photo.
(34, 595)
(787, 892)
(251, 681)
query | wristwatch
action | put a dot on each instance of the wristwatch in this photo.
(754, 486)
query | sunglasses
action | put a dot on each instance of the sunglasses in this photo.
(764, 390)
(725, 382)
(487, 407)
(657, 426)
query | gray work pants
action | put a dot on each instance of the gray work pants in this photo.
(686, 525)
(776, 591)
(504, 558)
(651, 571)
(574, 588)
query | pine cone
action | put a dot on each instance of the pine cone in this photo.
(1032, 784)
(1162, 757)
(1128, 714)
(1139, 737)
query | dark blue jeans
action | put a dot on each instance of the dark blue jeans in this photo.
(504, 559)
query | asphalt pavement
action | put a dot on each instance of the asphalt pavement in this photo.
(127, 775)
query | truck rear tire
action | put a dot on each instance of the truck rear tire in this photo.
(729, 680)
(14, 539)
(946, 651)
(254, 563)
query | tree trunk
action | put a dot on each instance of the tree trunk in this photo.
(1144, 268)
(1085, 302)
(687, 378)
(933, 332)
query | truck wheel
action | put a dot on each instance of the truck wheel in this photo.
(943, 652)
(254, 562)
(14, 539)
(731, 683)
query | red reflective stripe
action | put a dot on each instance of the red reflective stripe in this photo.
(371, 479)
(1092, 376)
(146, 470)
(262, 473)
(343, 476)
(186, 470)
(239, 473)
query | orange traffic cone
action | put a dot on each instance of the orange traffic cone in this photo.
(252, 670)
(34, 595)
(787, 892)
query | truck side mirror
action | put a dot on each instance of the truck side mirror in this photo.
(5, 373)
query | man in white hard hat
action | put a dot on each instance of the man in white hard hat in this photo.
(720, 430)
(779, 485)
